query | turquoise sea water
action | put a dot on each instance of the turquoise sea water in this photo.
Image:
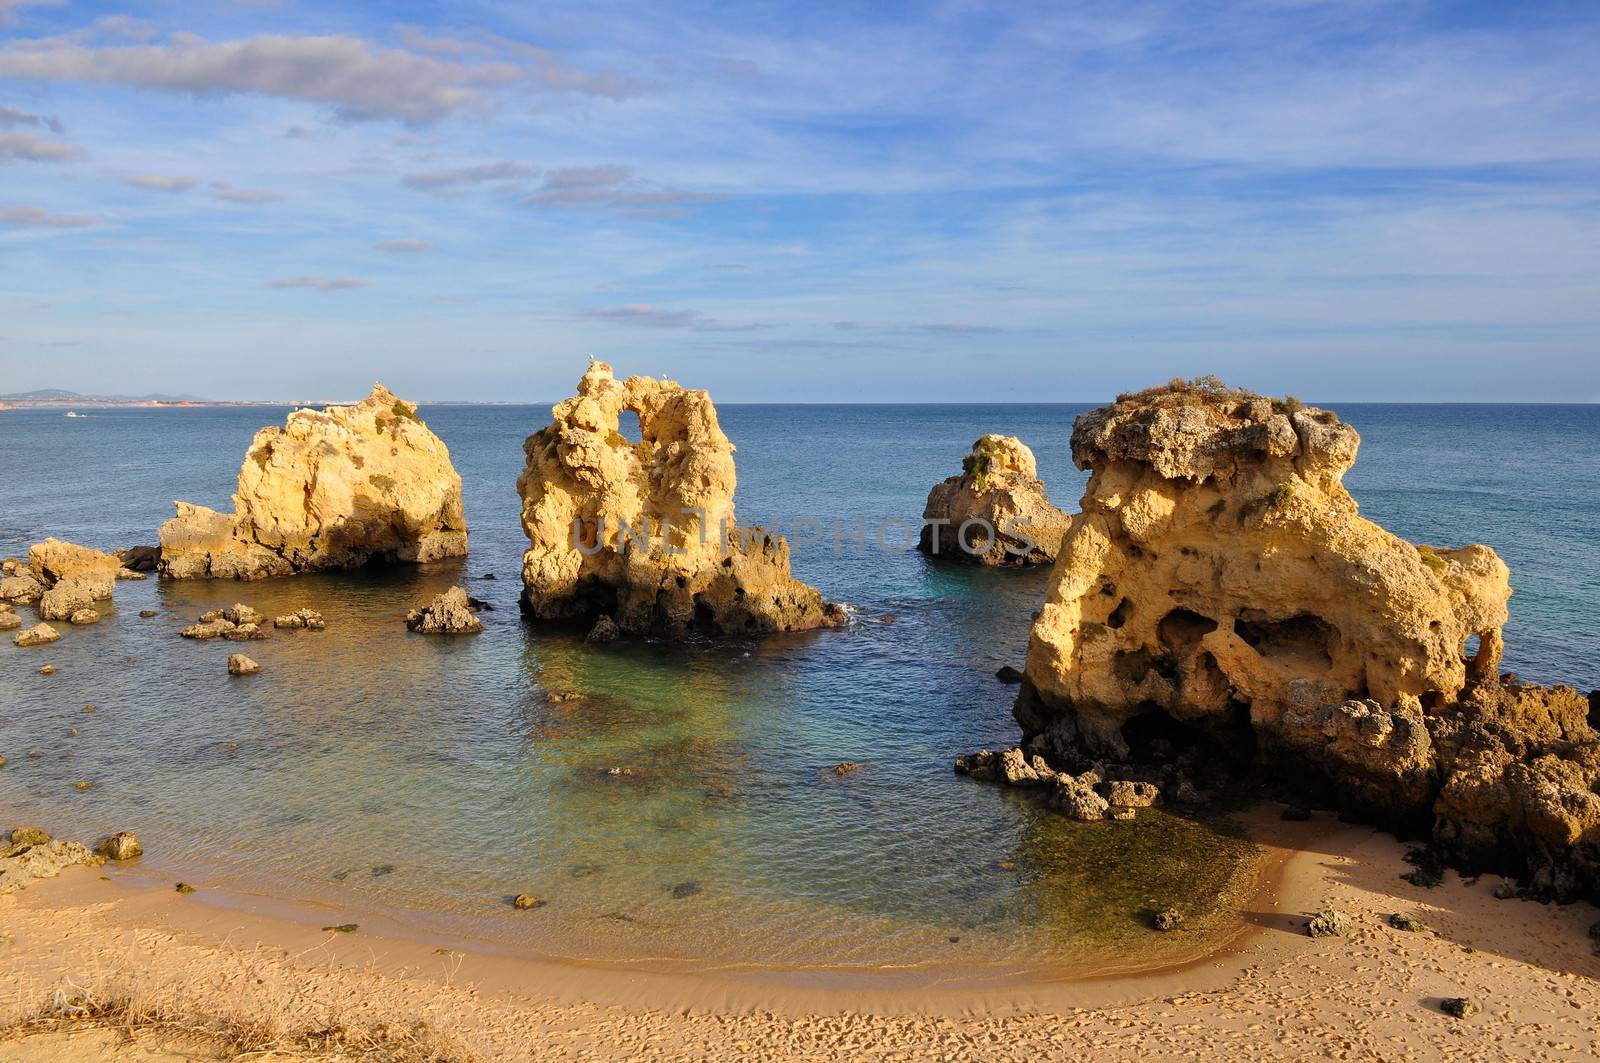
(370, 768)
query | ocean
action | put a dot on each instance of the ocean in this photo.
(369, 770)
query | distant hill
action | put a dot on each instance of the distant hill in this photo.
(59, 397)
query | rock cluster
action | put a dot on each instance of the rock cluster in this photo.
(337, 488)
(449, 613)
(996, 512)
(644, 533)
(65, 579)
(309, 619)
(1220, 611)
(237, 623)
(1088, 795)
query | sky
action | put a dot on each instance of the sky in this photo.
(876, 202)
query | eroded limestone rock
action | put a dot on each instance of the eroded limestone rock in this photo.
(1220, 607)
(449, 613)
(30, 857)
(37, 635)
(644, 533)
(93, 572)
(996, 512)
(336, 488)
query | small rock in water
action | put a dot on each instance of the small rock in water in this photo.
(522, 902)
(342, 928)
(605, 630)
(37, 635)
(1405, 922)
(1328, 923)
(1460, 1007)
(2, 761)
(848, 767)
(83, 784)
(89, 708)
(184, 887)
(685, 889)
(382, 870)
(1167, 919)
(123, 845)
(48, 669)
(309, 619)
(84, 617)
(1008, 674)
(239, 613)
(448, 614)
(487, 575)
(147, 613)
(239, 664)
(9, 621)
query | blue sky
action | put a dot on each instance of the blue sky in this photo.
(802, 202)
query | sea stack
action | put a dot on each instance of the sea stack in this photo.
(337, 488)
(643, 534)
(1220, 601)
(996, 512)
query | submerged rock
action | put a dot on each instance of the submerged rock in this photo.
(239, 664)
(37, 635)
(996, 512)
(604, 632)
(336, 488)
(644, 533)
(84, 617)
(523, 902)
(1220, 598)
(447, 614)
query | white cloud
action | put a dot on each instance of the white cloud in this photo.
(359, 79)
(321, 284)
(613, 187)
(9, 8)
(158, 183)
(645, 316)
(403, 247)
(41, 218)
(31, 147)
(227, 193)
(11, 117)
(464, 175)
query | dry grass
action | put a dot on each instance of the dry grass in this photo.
(249, 1028)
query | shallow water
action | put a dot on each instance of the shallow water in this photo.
(368, 767)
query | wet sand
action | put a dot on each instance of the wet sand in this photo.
(1273, 993)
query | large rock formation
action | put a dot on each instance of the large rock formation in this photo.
(1220, 591)
(337, 488)
(996, 512)
(644, 533)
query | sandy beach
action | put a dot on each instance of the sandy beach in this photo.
(1275, 993)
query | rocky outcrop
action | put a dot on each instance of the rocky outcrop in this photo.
(54, 562)
(996, 512)
(337, 488)
(32, 854)
(644, 533)
(449, 613)
(308, 619)
(1221, 611)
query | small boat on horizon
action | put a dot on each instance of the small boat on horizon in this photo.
(74, 413)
